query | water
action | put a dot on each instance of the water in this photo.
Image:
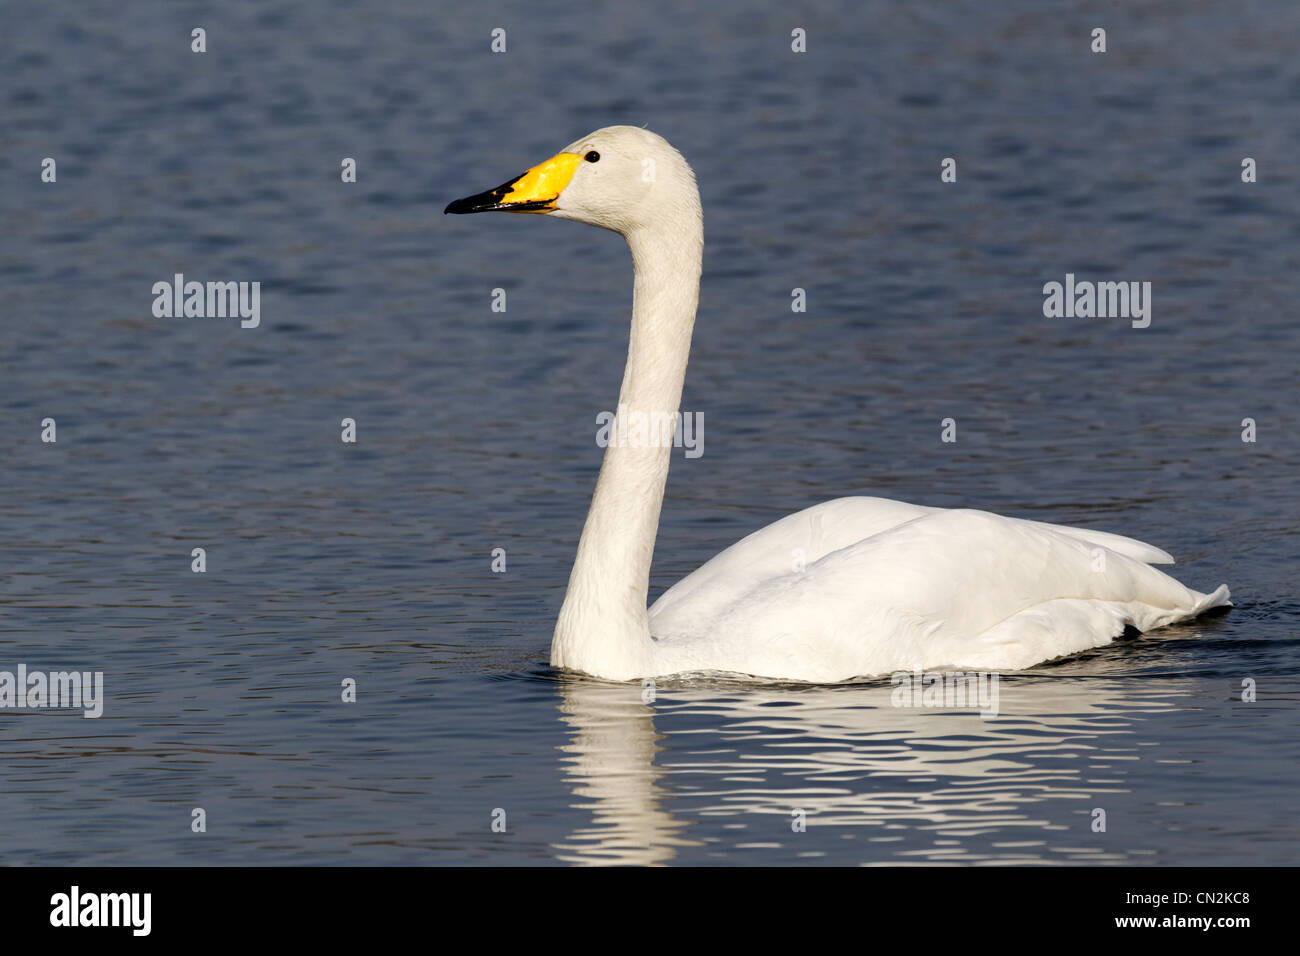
(476, 429)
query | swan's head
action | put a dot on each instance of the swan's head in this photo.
(619, 178)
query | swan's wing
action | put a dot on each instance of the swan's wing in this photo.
(792, 543)
(1129, 547)
(805, 537)
(949, 588)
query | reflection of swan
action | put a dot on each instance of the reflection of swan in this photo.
(612, 766)
(907, 784)
(850, 587)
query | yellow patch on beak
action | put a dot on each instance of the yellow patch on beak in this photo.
(534, 191)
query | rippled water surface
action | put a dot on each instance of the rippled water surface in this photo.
(476, 429)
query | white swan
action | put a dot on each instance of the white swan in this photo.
(884, 586)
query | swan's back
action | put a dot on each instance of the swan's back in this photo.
(861, 586)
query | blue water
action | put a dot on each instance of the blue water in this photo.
(372, 561)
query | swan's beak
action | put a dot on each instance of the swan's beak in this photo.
(534, 191)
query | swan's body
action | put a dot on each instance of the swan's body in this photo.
(852, 587)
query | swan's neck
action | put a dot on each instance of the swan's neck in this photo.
(603, 628)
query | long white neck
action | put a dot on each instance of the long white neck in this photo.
(603, 628)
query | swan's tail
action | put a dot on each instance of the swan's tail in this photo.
(1069, 625)
(1219, 597)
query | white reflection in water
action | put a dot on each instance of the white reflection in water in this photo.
(932, 785)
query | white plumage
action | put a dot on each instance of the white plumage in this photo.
(849, 588)
(889, 586)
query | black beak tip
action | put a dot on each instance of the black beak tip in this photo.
(487, 201)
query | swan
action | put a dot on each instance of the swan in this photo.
(850, 588)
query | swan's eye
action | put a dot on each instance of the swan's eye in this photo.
(592, 157)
